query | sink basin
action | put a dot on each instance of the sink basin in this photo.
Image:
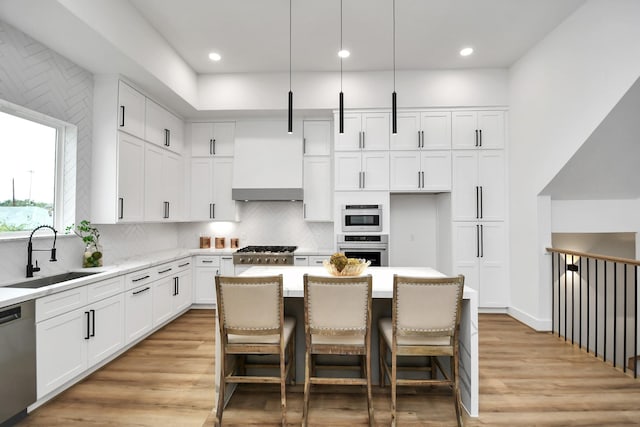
(51, 280)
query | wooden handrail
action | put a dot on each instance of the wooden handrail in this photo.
(600, 257)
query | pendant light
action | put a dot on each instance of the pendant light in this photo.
(290, 112)
(394, 112)
(341, 121)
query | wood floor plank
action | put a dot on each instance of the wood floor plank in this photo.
(527, 378)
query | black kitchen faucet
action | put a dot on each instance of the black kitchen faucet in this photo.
(30, 268)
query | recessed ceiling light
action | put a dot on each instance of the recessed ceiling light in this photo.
(344, 53)
(466, 51)
(215, 56)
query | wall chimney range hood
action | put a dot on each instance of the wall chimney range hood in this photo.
(267, 162)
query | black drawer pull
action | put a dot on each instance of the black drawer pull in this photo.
(165, 271)
(141, 291)
(184, 265)
(141, 278)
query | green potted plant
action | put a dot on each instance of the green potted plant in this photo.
(90, 235)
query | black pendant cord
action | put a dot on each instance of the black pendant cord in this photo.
(341, 98)
(290, 101)
(394, 112)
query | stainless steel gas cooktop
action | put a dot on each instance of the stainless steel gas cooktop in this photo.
(264, 255)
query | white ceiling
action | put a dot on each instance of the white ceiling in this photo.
(253, 35)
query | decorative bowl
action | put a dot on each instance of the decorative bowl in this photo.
(348, 270)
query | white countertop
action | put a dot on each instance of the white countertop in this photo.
(382, 278)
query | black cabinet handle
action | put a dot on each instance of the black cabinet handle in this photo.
(422, 178)
(93, 323)
(213, 210)
(481, 203)
(363, 143)
(183, 265)
(304, 145)
(120, 207)
(477, 241)
(477, 202)
(167, 137)
(480, 137)
(214, 146)
(122, 116)
(304, 210)
(481, 241)
(422, 133)
(211, 147)
(364, 185)
(166, 210)
(165, 271)
(141, 291)
(175, 286)
(140, 278)
(207, 261)
(476, 137)
(86, 337)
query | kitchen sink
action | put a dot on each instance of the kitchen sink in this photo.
(52, 280)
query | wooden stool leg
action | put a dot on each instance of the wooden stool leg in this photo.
(307, 388)
(220, 406)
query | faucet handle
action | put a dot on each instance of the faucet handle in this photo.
(53, 255)
(36, 268)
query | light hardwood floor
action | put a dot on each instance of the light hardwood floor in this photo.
(526, 379)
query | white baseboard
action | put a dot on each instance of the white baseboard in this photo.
(540, 325)
(493, 310)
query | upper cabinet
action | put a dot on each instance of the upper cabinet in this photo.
(317, 183)
(478, 129)
(316, 140)
(212, 139)
(131, 110)
(423, 130)
(162, 128)
(363, 131)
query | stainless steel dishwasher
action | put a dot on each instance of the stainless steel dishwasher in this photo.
(17, 361)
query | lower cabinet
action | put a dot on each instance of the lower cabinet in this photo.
(73, 342)
(171, 295)
(138, 304)
(207, 267)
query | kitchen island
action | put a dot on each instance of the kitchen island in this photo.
(382, 278)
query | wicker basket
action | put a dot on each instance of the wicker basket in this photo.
(348, 270)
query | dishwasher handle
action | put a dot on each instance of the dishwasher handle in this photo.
(10, 315)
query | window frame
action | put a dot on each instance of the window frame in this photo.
(63, 129)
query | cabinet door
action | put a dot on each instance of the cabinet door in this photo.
(375, 170)
(176, 133)
(351, 138)
(348, 171)
(465, 191)
(205, 287)
(183, 295)
(201, 139)
(318, 192)
(202, 183)
(224, 207)
(408, 136)
(162, 292)
(173, 182)
(131, 110)
(107, 329)
(138, 312)
(491, 179)
(494, 291)
(466, 252)
(317, 260)
(316, 137)
(130, 203)
(157, 121)
(436, 170)
(404, 171)
(61, 349)
(300, 261)
(376, 131)
(436, 130)
(226, 265)
(224, 135)
(154, 191)
(491, 123)
(464, 125)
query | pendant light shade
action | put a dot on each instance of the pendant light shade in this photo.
(341, 120)
(394, 112)
(290, 102)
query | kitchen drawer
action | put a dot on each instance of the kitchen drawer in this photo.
(183, 264)
(139, 278)
(207, 261)
(316, 260)
(63, 302)
(104, 289)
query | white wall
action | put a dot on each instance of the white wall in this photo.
(595, 216)
(319, 90)
(559, 92)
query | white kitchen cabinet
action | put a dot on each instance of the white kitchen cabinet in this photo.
(478, 129)
(172, 292)
(428, 171)
(318, 191)
(206, 269)
(478, 186)
(131, 110)
(422, 130)
(212, 139)
(317, 260)
(138, 305)
(211, 189)
(300, 260)
(360, 170)
(363, 131)
(479, 253)
(316, 137)
(70, 343)
(163, 128)
(163, 184)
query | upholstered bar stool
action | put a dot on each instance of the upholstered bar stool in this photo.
(251, 321)
(425, 323)
(337, 313)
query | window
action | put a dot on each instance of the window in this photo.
(30, 182)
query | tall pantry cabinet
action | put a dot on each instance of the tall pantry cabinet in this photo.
(478, 204)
